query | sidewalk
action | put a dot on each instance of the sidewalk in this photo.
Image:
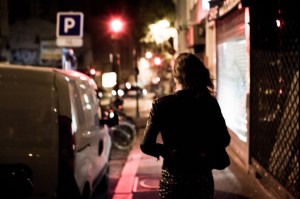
(140, 177)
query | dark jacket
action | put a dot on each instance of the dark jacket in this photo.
(191, 125)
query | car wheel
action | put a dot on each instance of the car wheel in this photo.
(122, 139)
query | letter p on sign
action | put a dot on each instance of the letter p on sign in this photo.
(69, 24)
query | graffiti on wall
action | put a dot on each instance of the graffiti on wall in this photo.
(24, 56)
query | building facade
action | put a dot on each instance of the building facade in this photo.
(252, 50)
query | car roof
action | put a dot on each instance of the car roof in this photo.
(12, 68)
(13, 77)
(29, 68)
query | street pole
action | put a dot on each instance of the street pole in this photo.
(116, 27)
(136, 73)
(115, 60)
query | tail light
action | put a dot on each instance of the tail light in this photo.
(120, 107)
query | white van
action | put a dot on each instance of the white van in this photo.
(51, 144)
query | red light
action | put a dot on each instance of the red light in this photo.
(278, 23)
(120, 107)
(92, 71)
(116, 25)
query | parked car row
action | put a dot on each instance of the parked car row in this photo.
(51, 142)
(122, 91)
(132, 91)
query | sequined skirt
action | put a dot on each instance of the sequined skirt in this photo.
(199, 185)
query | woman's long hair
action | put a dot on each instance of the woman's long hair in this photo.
(191, 73)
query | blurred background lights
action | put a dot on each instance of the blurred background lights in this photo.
(157, 61)
(160, 32)
(155, 80)
(120, 92)
(163, 24)
(279, 23)
(148, 55)
(144, 63)
(128, 85)
(109, 79)
(92, 71)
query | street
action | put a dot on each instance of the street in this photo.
(251, 51)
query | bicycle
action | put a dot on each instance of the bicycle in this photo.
(122, 128)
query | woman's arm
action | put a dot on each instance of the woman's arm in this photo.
(148, 144)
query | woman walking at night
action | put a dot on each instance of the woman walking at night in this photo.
(192, 127)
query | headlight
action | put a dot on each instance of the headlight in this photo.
(100, 94)
(113, 92)
(111, 115)
(120, 92)
(144, 92)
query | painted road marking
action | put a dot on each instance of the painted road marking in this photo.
(126, 182)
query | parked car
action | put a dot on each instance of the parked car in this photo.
(132, 91)
(51, 145)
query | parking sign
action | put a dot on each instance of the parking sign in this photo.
(69, 29)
